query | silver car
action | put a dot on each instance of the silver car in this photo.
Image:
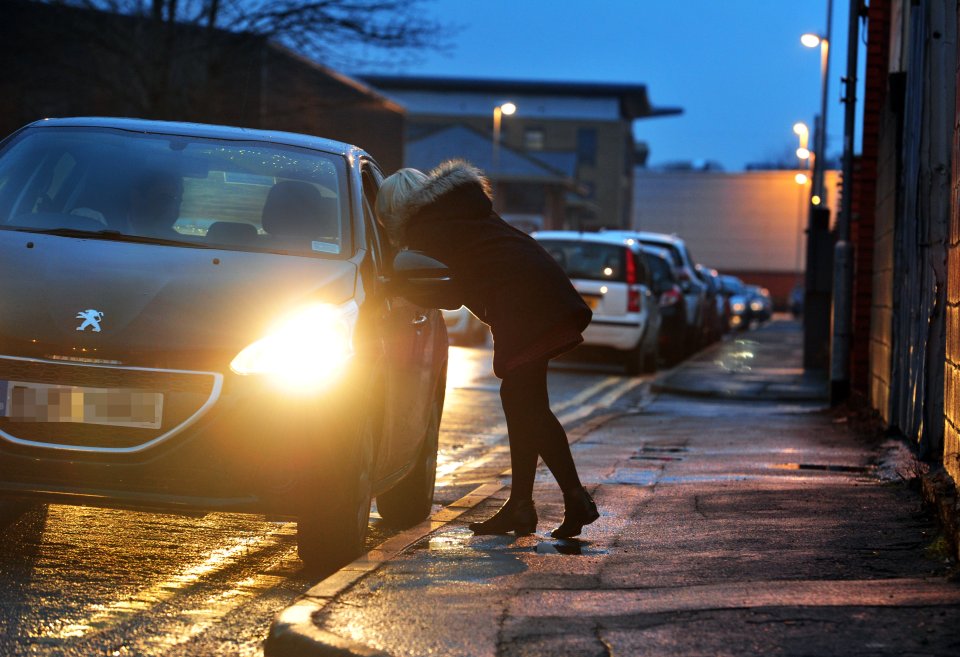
(611, 275)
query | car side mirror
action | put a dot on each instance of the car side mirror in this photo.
(423, 280)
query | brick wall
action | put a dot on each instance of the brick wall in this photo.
(874, 277)
(863, 226)
(951, 437)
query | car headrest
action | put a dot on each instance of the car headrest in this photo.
(297, 209)
(231, 232)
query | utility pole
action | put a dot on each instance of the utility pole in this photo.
(843, 252)
(819, 270)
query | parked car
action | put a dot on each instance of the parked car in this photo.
(673, 314)
(694, 290)
(464, 328)
(253, 358)
(611, 275)
(796, 300)
(761, 305)
(714, 315)
(736, 293)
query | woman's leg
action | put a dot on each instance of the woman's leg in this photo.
(534, 430)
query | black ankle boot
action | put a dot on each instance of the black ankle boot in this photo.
(579, 509)
(519, 517)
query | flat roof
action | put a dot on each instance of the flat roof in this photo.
(635, 103)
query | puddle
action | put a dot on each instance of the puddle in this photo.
(447, 543)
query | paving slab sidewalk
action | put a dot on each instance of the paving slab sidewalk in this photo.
(731, 524)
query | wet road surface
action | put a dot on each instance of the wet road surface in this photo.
(83, 581)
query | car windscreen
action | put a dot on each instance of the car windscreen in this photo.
(176, 190)
(592, 261)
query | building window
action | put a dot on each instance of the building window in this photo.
(533, 139)
(586, 146)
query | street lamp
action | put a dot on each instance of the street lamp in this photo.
(800, 129)
(499, 111)
(817, 273)
(812, 41)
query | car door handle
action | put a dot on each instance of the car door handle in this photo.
(419, 320)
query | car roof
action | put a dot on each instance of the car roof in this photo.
(647, 236)
(574, 235)
(203, 130)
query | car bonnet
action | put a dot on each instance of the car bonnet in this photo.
(150, 305)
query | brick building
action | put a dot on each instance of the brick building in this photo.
(905, 227)
(62, 61)
(580, 130)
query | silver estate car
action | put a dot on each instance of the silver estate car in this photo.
(611, 275)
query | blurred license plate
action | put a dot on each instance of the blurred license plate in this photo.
(120, 407)
(592, 301)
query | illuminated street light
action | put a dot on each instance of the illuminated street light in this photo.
(811, 40)
(815, 199)
(507, 108)
(801, 178)
(800, 129)
(803, 153)
(816, 297)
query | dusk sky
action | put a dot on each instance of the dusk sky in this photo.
(736, 67)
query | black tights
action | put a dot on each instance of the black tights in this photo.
(534, 431)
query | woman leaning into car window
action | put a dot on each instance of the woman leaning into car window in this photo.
(506, 279)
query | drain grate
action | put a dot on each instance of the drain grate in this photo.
(862, 469)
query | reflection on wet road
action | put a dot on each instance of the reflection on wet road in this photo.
(82, 581)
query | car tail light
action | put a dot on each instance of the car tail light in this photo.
(670, 297)
(633, 290)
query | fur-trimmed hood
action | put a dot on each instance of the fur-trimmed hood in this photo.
(443, 179)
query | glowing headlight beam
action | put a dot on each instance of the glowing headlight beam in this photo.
(305, 349)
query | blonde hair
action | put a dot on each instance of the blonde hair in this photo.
(394, 193)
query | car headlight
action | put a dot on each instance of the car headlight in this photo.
(737, 307)
(756, 306)
(305, 350)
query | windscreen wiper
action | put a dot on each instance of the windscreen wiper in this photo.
(111, 235)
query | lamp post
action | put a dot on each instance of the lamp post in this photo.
(499, 111)
(820, 138)
(803, 133)
(818, 274)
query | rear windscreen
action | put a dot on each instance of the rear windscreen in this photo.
(589, 260)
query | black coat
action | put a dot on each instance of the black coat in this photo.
(502, 274)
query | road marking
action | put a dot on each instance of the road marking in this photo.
(106, 616)
(202, 616)
(500, 430)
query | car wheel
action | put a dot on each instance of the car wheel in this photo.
(332, 531)
(410, 501)
(648, 362)
(633, 360)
